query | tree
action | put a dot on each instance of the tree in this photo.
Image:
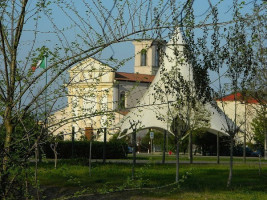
(259, 129)
(158, 141)
(230, 50)
(90, 30)
(26, 131)
(237, 55)
(257, 87)
(183, 93)
(53, 145)
(206, 142)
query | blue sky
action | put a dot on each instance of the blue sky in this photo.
(64, 21)
(119, 51)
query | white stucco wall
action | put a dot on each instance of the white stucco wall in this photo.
(244, 113)
(152, 112)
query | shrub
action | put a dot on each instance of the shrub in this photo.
(115, 150)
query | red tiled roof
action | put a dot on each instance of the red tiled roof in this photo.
(239, 97)
(143, 78)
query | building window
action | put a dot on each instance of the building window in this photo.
(143, 57)
(122, 100)
(157, 57)
(89, 103)
(75, 106)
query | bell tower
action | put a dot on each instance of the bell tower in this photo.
(147, 56)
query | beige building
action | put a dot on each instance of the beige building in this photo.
(243, 110)
(99, 97)
(147, 56)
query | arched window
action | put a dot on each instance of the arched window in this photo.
(143, 57)
(122, 100)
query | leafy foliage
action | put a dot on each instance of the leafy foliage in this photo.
(259, 128)
(81, 150)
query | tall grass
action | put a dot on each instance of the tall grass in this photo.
(198, 180)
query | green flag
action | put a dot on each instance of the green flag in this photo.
(42, 63)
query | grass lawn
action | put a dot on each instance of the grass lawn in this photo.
(113, 181)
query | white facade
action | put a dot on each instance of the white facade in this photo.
(96, 91)
(242, 113)
(152, 112)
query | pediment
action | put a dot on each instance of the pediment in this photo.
(91, 64)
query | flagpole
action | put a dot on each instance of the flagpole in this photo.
(45, 91)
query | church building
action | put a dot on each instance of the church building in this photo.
(99, 96)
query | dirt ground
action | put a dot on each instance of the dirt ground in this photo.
(67, 194)
(116, 196)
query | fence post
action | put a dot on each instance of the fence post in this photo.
(218, 149)
(134, 151)
(104, 147)
(90, 157)
(72, 142)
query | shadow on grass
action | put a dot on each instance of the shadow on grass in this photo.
(208, 179)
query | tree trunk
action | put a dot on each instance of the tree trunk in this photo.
(164, 147)
(39, 154)
(231, 161)
(190, 148)
(90, 157)
(55, 160)
(218, 149)
(9, 131)
(259, 164)
(244, 147)
(245, 136)
(5, 170)
(26, 186)
(177, 160)
(54, 149)
(134, 152)
(36, 169)
(265, 146)
(265, 137)
(36, 163)
(55, 152)
(72, 142)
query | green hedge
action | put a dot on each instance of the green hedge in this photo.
(114, 150)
